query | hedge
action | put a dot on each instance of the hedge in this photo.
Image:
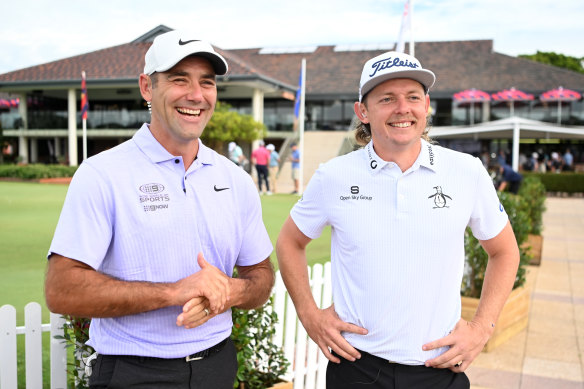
(36, 171)
(560, 182)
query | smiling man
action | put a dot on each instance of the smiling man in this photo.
(151, 231)
(398, 209)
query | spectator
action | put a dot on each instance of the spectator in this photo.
(236, 155)
(295, 159)
(508, 179)
(274, 165)
(568, 161)
(556, 163)
(260, 158)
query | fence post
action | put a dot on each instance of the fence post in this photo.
(33, 345)
(58, 353)
(327, 299)
(313, 349)
(279, 306)
(8, 372)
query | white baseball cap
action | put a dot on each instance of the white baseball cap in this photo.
(170, 48)
(392, 65)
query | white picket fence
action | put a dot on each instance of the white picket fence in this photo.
(307, 364)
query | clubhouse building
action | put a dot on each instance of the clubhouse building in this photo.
(46, 125)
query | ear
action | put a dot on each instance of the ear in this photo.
(145, 87)
(428, 104)
(361, 112)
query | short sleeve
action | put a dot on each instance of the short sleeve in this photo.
(309, 213)
(256, 244)
(85, 226)
(488, 216)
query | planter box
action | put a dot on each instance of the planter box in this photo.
(283, 385)
(512, 320)
(279, 385)
(534, 245)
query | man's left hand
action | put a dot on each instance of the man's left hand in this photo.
(466, 342)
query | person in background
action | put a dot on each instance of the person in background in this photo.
(273, 166)
(508, 179)
(151, 231)
(236, 155)
(398, 209)
(556, 162)
(568, 161)
(295, 159)
(260, 158)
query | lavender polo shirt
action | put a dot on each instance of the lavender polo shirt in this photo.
(397, 242)
(134, 213)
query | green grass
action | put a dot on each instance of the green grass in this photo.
(28, 216)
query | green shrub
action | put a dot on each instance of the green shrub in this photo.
(36, 171)
(533, 192)
(567, 182)
(76, 334)
(260, 362)
(476, 257)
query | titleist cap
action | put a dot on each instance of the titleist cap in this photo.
(170, 48)
(392, 65)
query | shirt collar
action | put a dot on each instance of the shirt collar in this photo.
(426, 158)
(157, 153)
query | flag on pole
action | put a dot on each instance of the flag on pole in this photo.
(298, 98)
(299, 115)
(84, 101)
(405, 27)
(84, 109)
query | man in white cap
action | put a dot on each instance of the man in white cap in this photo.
(398, 209)
(151, 231)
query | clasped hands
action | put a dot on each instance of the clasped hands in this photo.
(206, 293)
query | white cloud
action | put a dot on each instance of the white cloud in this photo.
(41, 31)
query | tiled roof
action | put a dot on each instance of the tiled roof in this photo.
(458, 65)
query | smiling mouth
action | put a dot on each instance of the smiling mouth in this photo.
(402, 124)
(190, 112)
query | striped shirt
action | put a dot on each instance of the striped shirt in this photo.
(132, 212)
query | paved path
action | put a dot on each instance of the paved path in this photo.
(550, 352)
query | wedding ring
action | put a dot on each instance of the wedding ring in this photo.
(458, 364)
(206, 310)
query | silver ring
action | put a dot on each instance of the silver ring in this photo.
(206, 310)
(458, 364)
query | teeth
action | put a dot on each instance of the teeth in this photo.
(187, 111)
(401, 125)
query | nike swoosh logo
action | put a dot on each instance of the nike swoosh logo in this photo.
(180, 41)
(219, 189)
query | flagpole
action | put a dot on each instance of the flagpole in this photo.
(301, 126)
(410, 16)
(84, 113)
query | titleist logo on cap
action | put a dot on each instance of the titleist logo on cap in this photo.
(388, 63)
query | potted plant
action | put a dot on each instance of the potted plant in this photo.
(533, 192)
(514, 315)
(261, 363)
(75, 335)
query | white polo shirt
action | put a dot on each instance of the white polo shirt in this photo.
(397, 247)
(132, 212)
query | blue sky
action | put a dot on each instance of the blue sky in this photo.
(40, 31)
